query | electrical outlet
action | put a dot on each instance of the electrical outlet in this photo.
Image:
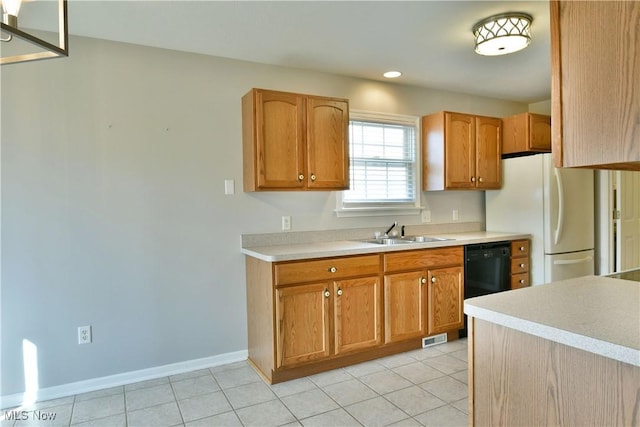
(426, 215)
(455, 215)
(84, 335)
(286, 223)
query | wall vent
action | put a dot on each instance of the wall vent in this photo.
(437, 339)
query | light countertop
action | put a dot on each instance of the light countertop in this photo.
(600, 315)
(290, 252)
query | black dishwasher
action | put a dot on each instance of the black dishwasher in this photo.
(487, 269)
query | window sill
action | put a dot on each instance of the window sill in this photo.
(378, 211)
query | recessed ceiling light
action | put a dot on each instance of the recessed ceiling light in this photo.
(392, 74)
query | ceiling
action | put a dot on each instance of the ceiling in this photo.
(429, 41)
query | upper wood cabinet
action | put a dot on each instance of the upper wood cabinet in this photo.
(526, 133)
(461, 151)
(595, 84)
(293, 141)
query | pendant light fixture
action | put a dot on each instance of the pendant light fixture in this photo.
(502, 34)
(21, 46)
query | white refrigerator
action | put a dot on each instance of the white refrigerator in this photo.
(555, 206)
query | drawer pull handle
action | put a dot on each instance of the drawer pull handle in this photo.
(339, 292)
(333, 270)
(433, 279)
(327, 293)
(423, 280)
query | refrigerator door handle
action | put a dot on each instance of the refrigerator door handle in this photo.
(572, 261)
(560, 223)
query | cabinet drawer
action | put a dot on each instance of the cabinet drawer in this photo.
(519, 265)
(519, 248)
(426, 258)
(519, 280)
(326, 269)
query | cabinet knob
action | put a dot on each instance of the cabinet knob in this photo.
(522, 281)
(313, 177)
(522, 248)
(327, 293)
(300, 177)
(333, 270)
(339, 292)
(433, 279)
(473, 179)
(522, 265)
(480, 179)
(423, 280)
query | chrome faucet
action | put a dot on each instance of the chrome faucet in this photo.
(386, 233)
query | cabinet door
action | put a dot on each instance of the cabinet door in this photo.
(327, 143)
(279, 140)
(357, 314)
(460, 151)
(302, 324)
(488, 152)
(404, 306)
(445, 300)
(539, 132)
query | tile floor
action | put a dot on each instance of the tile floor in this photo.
(426, 387)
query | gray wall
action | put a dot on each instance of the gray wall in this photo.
(113, 210)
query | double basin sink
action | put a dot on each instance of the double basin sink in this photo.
(405, 240)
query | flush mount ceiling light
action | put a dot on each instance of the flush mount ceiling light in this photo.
(20, 45)
(502, 34)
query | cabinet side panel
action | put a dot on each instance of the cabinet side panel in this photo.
(433, 167)
(520, 379)
(260, 315)
(599, 44)
(248, 142)
(556, 84)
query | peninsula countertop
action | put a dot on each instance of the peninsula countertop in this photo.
(300, 251)
(597, 314)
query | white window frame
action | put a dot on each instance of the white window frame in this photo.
(385, 208)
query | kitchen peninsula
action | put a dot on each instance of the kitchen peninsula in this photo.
(565, 353)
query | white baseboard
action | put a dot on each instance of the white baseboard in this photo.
(70, 389)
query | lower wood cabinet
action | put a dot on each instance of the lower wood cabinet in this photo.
(520, 264)
(313, 315)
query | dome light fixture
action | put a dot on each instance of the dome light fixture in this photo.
(502, 34)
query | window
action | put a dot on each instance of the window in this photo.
(383, 166)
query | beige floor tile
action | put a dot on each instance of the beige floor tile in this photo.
(414, 400)
(462, 376)
(418, 372)
(157, 416)
(228, 419)
(425, 353)
(462, 405)
(190, 374)
(445, 416)
(449, 346)
(150, 396)
(205, 405)
(100, 407)
(330, 377)
(288, 388)
(236, 377)
(309, 403)
(272, 413)
(99, 393)
(145, 384)
(461, 354)
(446, 388)
(249, 394)
(337, 417)
(385, 382)
(376, 412)
(195, 386)
(447, 364)
(407, 422)
(366, 368)
(348, 392)
(119, 420)
(395, 360)
(229, 366)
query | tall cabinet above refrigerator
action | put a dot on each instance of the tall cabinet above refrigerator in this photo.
(555, 206)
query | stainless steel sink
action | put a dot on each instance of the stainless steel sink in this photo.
(405, 240)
